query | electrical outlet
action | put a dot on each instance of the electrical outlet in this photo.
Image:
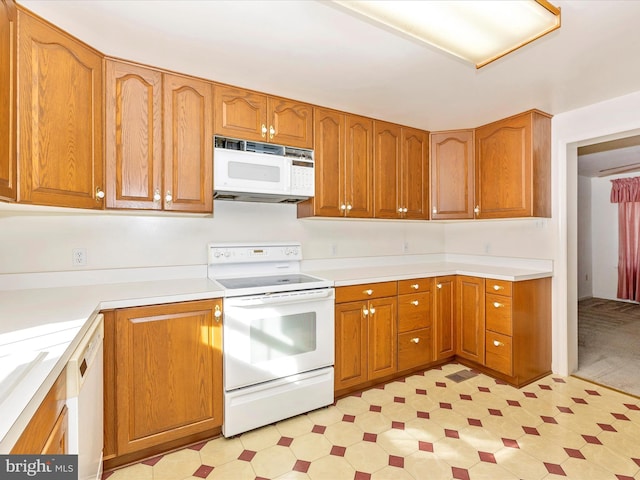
(334, 249)
(405, 247)
(79, 257)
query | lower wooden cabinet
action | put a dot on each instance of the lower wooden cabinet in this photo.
(47, 432)
(470, 318)
(365, 345)
(444, 317)
(166, 365)
(415, 323)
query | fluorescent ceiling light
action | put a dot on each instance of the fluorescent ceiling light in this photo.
(477, 31)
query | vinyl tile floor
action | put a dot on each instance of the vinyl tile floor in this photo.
(444, 423)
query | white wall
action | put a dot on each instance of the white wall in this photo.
(598, 122)
(585, 233)
(40, 239)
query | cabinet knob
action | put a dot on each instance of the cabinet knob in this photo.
(435, 210)
(349, 207)
(415, 302)
(415, 286)
(168, 197)
(477, 209)
(156, 195)
(272, 131)
(496, 343)
(498, 287)
(372, 310)
(217, 313)
(399, 209)
(343, 207)
(264, 131)
(368, 292)
(415, 340)
(365, 312)
(498, 304)
(404, 210)
(99, 193)
(439, 285)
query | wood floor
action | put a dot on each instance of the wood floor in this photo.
(609, 343)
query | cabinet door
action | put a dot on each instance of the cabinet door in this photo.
(329, 151)
(188, 144)
(387, 174)
(133, 136)
(60, 118)
(470, 318)
(359, 167)
(452, 175)
(56, 444)
(382, 337)
(240, 113)
(290, 123)
(415, 173)
(351, 362)
(444, 317)
(169, 375)
(8, 100)
(503, 168)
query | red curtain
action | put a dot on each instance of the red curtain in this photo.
(626, 193)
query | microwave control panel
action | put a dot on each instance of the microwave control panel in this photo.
(302, 180)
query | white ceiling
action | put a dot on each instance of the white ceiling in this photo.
(312, 51)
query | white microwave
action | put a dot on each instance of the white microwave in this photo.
(261, 172)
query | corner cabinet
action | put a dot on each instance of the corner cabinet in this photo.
(470, 320)
(444, 313)
(452, 175)
(145, 109)
(166, 365)
(343, 166)
(513, 167)
(254, 116)
(8, 117)
(401, 172)
(60, 153)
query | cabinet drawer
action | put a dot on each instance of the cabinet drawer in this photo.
(498, 353)
(366, 291)
(499, 287)
(498, 314)
(414, 348)
(414, 311)
(415, 285)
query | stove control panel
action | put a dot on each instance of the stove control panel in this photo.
(244, 253)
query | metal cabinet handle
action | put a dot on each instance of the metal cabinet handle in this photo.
(99, 193)
(343, 207)
(498, 304)
(415, 340)
(415, 286)
(168, 197)
(264, 131)
(272, 131)
(349, 207)
(156, 195)
(365, 312)
(415, 302)
(477, 209)
(217, 313)
(404, 210)
(498, 287)
(372, 310)
(368, 292)
(496, 343)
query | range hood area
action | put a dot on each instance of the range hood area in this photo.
(249, 171)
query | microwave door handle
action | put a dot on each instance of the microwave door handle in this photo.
(280, 299)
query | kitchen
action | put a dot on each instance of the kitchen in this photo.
(40, 239)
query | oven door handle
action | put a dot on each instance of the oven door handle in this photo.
(294, 297)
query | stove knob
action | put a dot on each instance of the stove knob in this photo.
(217, 254)
(227, 254)
(294, 251)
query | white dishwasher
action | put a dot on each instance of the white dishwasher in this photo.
(85, 402)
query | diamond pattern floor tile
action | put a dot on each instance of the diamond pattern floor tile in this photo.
(442, 424)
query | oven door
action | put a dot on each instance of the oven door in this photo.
(276, 335)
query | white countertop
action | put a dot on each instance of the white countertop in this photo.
(41, 327)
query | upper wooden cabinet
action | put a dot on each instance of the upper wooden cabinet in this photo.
(452, 175)
(60, 153)
(144, 109)
(513, 167)
(8, 163)
(188, 144)
(343, 166)
(400, 166)
(253, 116)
